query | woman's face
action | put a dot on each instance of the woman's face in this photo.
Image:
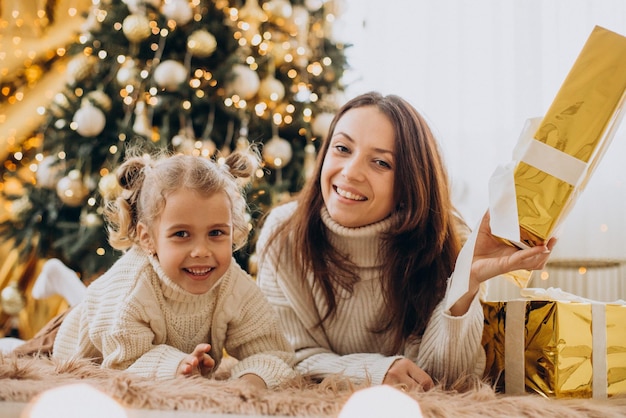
(357, 177)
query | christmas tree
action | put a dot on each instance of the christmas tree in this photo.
(192, 76)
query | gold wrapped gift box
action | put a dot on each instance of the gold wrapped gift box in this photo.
(556, 349)
(580, 123)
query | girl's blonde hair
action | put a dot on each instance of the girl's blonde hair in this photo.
(147, 181)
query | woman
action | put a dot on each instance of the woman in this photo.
(358, 266)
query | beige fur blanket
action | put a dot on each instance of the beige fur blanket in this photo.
(21, 379)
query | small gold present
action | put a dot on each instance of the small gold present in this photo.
(557, 349)
(580, 123)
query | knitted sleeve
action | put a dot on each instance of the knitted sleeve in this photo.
(130, 344)
(451, 346)
(255, 338)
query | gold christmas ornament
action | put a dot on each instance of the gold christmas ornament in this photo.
(245, 82)
(136, 27)
(109, 187)
(33, 74)
(201, 43)
(278, 10)
(271, 89)
(11, 299)
(98, 98)
(170, 74)
(252, 13)
(277, 152)
(12, 187)
(71, 190)
(179, 11)
(79, 68)
(89, 120)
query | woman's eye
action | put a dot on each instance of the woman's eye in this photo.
(341, 148)
(383, 164)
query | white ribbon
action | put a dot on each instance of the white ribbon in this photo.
(514, 344)
(502, 197)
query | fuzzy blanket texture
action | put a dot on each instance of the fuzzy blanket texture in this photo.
(22, 379)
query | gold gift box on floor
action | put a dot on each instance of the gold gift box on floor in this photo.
(580, 123)
(556, 349)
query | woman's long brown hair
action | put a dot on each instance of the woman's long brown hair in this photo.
(420, 248)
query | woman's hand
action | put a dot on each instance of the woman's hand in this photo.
(198, 362)
(407, 375)
(493, 257)
(252, 380)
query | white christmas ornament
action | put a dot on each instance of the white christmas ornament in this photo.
(170, 74)
(89, 120)
(49, 171)
(380, 402)
(71, 189)
(313, 5)
(136, 27)
(271, 89)
(11, 299)
(142, 124)
(321, 124)
(277, 152)
(245, 82)
(201, 43)
(127, 73)
(179, 11)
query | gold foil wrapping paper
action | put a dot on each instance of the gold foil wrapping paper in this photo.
(556, 349)
(581, 123)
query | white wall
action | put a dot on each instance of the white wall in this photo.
(477, 69)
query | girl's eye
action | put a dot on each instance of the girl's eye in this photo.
(216, 233)
(181, 234)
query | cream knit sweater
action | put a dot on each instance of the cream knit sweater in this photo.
(450, 347)
(134, 317)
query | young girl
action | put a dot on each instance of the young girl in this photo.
(176, 298)
(358, 266)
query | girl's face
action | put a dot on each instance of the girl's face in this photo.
(192, 239)
(357, 177)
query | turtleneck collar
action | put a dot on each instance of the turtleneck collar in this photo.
(362, 243)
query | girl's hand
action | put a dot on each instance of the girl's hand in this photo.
(407, 375)
(198, 362)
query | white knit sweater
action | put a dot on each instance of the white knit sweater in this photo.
(450, 347)
(134, 317)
